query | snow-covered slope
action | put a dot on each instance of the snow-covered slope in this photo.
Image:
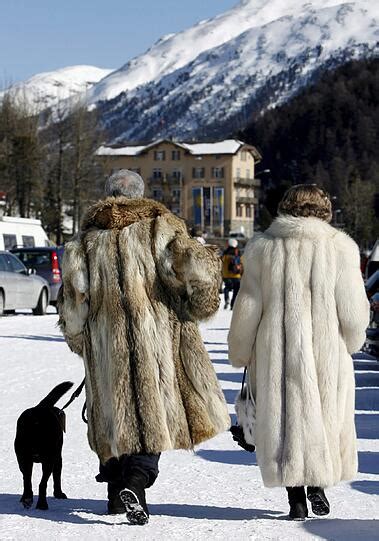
(214, 493)
(176, 50)
(46, 89)
(208, 79)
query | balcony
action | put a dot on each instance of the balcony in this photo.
(171, 180)
(247, 182)
(247, 200)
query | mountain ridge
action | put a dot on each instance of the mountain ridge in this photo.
(230, 81)
(209, 79)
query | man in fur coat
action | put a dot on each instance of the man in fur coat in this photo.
(135, 284)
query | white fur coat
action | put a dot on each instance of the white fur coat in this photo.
(300, 313)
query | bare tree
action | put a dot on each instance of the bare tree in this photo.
(85, 174)
(357, 205)
(20, 156)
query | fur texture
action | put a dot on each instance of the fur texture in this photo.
(134, 286)
(301, 311)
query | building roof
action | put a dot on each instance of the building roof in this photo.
(228, 146)
(122, 151)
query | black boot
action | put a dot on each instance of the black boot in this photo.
(134, 500)
(298, 503)
(320, 504)
(115, 505)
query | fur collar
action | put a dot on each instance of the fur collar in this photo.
(119, 212)
(287, 226)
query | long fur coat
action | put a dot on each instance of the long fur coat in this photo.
(134, 286)
(300, 313)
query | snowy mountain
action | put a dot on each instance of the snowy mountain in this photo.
(207, 81)
(47, 89)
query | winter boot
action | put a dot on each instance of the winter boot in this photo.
(320, 504)
(115, 505)
(298, 503)
(134, 500)
(226, 304)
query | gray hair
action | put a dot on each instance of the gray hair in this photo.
(125, 182)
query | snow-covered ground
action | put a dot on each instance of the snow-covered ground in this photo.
(214, 493)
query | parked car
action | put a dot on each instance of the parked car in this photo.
(47, 263)
(20, 288)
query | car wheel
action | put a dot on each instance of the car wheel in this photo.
(40, 309)
(2, 303)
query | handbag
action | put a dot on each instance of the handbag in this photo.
(244, 431)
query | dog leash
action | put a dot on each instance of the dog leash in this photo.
(74, 395)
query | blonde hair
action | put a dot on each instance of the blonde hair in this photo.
(305, 200)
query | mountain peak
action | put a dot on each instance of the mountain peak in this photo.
(210, 78)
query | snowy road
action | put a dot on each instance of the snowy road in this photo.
(213, 494)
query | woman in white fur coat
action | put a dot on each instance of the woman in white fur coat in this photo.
(300, 314)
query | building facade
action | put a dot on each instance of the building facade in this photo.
(212, 186)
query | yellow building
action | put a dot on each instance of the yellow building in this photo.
(211, 185)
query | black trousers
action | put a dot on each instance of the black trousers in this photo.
(116, 471)
(231, 284)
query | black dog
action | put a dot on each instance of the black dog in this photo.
(39, 438)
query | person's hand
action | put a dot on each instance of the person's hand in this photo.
(238, 437)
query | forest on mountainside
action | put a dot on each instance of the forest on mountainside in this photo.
(328, 134)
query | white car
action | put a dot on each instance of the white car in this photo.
(20, 288)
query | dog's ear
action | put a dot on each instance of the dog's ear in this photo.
(62, 420)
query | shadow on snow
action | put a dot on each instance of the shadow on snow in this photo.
(51, 338)
(228, 457)
(368, 487)
(70, 511)
(343, 529)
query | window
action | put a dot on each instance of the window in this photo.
(249, 211)
(16, 264)
(243, 155)
(10, 241)
(217, 156)
(159, 155)
(157, 173)
(238, 172)
(176, 195)
(157, 194)
(175, 155)
(34, 259)
(177, 174)
(28, 241)
(247, 173)
(136, 170)
(198, 172)
(239, 210)
(217, 172)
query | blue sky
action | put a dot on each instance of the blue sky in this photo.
(43, 35)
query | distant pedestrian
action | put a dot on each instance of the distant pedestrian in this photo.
(300, 314)
(231, 272)
(135, 284)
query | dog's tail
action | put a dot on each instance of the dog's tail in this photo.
(55, 394)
